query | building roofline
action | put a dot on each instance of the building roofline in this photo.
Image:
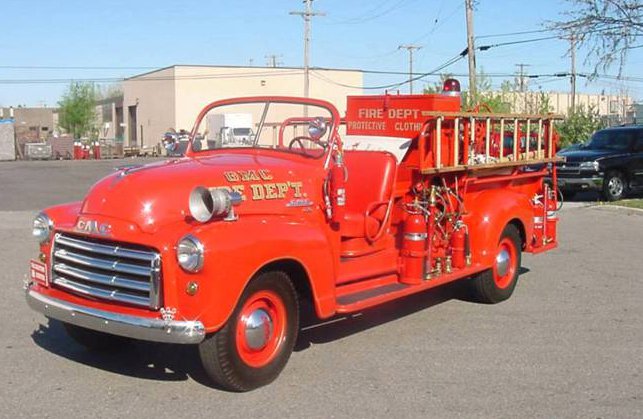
(239, 67)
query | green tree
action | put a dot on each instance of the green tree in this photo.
(77, 109)
(579, 126)
(486, 98)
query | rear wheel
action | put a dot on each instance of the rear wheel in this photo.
(94, 340)
(253, 347)
(498, 283)
(614, 186)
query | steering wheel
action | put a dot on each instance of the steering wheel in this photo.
(299, 140)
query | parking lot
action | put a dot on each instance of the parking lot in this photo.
(569, 343)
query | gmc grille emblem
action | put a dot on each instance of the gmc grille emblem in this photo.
(93, 227)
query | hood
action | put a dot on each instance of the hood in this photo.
(155, 195)
(578, 155)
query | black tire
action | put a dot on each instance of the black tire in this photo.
(489, 286)
(226, 355)
(614, 186)
(94, 340)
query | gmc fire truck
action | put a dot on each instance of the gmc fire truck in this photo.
(220, 248)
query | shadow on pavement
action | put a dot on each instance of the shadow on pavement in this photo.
(315, 332)
(168, 362)
(145, 360)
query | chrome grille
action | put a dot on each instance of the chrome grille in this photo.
(122, 273)
(568, 168)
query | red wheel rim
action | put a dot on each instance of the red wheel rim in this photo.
(504, 266)
(261, 328)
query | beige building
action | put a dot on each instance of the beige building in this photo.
(172, 97)
(615, 109)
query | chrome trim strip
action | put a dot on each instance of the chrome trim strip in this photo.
(108, 280)
(113, 295)
(110, 265)
(137, 327)
(104, 249)
(155, 284)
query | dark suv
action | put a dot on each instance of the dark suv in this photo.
(610, 163)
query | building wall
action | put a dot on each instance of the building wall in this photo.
(153, 96)
(32, 123)
(193, 87)
(616, 106)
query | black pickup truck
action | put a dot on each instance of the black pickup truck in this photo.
(610, 163)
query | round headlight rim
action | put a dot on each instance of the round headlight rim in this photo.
(201, 253)
(46, 221)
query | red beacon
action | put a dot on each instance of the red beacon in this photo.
(451, 87)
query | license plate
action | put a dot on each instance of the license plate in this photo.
(38, 272)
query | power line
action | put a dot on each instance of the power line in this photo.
(500, 35)
(523, 41)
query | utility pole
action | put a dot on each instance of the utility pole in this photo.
(521, 77)
(272, 60)
(471, 49)
(410, 48)
(307, 14)
(573, 72)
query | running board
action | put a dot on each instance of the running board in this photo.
(385, 290)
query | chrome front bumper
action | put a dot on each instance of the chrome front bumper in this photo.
(594, 183)
(143, 328)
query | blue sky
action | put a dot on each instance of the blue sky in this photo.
(354, 34)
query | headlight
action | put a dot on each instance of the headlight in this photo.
(189, 253)
(42, 227)
(592, 165)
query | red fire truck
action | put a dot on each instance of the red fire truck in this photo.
(220, 248)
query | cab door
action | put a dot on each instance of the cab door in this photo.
(637, 159)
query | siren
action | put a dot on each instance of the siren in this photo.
(451, 87)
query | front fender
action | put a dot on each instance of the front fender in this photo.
(236, 251)
(489, 213)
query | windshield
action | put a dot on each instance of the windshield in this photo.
(284, 126)
(618, 140)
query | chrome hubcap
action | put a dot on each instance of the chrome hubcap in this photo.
(615, 186)
(502, 262)
(258, 329)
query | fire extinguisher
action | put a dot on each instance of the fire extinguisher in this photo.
(551, 216)
(458, 241)
(414, 249)
(78, 150)
(338, 189)
(96, 150)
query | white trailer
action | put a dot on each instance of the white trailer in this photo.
(229, 129)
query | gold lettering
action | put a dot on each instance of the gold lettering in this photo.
(265, 174)
(297, 188)
(271, 190)
(257, 192)
(282, 188)
(231, 176)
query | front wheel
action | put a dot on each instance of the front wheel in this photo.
(498, 283)
(614, 186)
(253, 347)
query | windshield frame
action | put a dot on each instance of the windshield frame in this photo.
(334, 140)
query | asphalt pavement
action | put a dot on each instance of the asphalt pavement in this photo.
(568, 344)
